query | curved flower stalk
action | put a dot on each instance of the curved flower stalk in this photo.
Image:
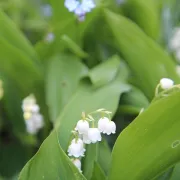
(86, 133)
(33, 119)
(80, 8)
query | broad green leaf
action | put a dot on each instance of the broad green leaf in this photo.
(96, 153)
(74, 47)
(133, 101)
(64, 73)
(165, 176)
(18, 66)
(84, 99)
(148, 62)
(104, 156)
(143, 10)
(88, 99)
(12, 34)
(60, 12)
(150, 144)
(89, 159)
(13, 156)
(12, 104)
(98, 174)
(105, 72)
(50, 162)
(176, 172)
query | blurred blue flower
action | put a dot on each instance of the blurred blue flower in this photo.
(80, 8)
(46, 10)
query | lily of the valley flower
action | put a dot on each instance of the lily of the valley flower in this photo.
(80, 8)
(86, 139)
(106, 126)
(166, 83)
(33, 119)
(76, 148)
(94, 135)
(82, 126)
(77, 163)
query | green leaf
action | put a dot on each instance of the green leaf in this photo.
(143, 10)
(98, 173)
(104, 156)
(105, 72)
(64, 73)
(150, 144)
(148, 62)
(85, 99)
(16, 65)
(73, 47)
(50, 162)
(12, 104)
(176, 172)
(133, 101)
(13, 156)
(90, 158)
(96, 153)
(12, 34)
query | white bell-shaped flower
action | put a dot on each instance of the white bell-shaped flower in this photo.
(77, 163)
(94, 135)
(82, 126)
(86, 139)
(166, 83)
(102, 124)
(110, 128)
(106, 126)
(76, 148)
(30, 127)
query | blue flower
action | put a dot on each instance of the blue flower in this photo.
(71, 5)
(80, 8)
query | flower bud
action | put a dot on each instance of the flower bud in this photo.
(166, 83)
(77, 163)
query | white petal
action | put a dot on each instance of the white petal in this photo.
(94, 135)
(166, 83)
(87, 5)
(76, 148)
(86, 139)
(35, 108)
(110, 128)
(77, 163)
(102, 123)
(82, 126)
(71, 5)
(30, 127)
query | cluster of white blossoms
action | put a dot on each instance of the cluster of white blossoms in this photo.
(33, 119)
(80, 7)
(86, 132)
(174, 43)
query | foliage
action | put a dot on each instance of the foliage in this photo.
(114, 59)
